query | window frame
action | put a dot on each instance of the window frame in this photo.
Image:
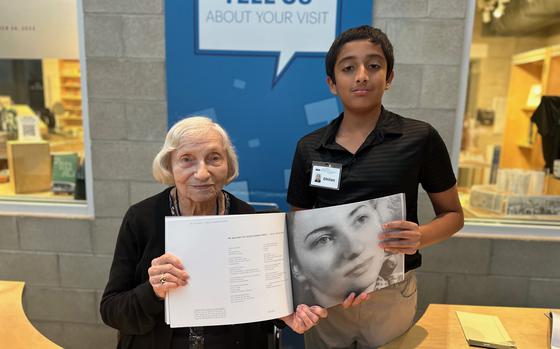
(58, 209)
(489, 228)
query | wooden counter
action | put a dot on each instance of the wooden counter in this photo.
(439, 327)
(15, 329)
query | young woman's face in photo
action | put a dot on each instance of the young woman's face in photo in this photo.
(340, 253)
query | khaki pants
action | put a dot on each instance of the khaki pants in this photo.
(386, 315)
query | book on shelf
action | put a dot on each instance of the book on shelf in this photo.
(534, 97)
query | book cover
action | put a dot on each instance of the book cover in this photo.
(484, 331)
(64, 168)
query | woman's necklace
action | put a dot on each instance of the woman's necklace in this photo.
(177, 202)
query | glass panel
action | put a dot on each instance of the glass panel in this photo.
(41, 125)
(506, 166)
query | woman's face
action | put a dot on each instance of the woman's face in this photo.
(340, 253)
(200, 167)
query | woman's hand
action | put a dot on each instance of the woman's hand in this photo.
(304, 317)
(400, 237)
(166, 273)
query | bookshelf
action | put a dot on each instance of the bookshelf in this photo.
(522, 147)
(71, 91)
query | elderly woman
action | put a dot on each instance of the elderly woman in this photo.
(197, 160)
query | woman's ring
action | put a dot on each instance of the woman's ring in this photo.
(162, 279)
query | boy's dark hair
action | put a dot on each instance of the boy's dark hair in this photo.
(364, 32)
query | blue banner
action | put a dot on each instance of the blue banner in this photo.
(257, 68)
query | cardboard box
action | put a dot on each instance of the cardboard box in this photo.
(30, 166)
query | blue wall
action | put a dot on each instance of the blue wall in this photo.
(264, 112)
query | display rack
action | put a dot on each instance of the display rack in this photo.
(71, 91)
(522, 146)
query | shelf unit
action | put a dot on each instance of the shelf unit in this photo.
(71, 88)
(522, 146)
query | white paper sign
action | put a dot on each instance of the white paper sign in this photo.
(283, 26)
(36, 29)
(28, 128)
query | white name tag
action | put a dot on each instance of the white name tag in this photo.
(325, 175)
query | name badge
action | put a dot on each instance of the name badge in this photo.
(326, 175)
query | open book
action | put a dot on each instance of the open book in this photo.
(247, 268)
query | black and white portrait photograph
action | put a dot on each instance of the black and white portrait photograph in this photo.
(335, 251)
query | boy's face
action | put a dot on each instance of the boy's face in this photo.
(361, 76)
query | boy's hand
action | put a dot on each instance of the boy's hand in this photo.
(400, 237)
(352, 300)
(304, 317)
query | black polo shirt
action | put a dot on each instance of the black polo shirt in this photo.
(397, 155)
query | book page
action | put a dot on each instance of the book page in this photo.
(238, 267)
(555, 333)
(484, 330)
(335, 250)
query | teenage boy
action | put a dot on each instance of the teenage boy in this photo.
(371, 152)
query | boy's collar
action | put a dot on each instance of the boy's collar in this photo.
(388, 124)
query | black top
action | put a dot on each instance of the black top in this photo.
(547, 119)
(396, 156)
(129, 303)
